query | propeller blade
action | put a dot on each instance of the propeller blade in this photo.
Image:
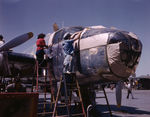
(118, 93)
(16, 41)
(55, 27)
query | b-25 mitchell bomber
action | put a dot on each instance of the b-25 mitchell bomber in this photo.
(101, 55)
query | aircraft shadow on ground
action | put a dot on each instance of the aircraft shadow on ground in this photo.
(103, 111)
(122, 110)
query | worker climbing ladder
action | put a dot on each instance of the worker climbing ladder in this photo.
(67, 88)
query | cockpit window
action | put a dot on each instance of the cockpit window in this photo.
(96, 31)
(59, 34)
(90, 33)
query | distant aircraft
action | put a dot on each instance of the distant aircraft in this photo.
(102, 55)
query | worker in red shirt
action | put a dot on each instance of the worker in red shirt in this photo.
(41, 45)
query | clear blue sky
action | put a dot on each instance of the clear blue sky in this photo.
(21, 16)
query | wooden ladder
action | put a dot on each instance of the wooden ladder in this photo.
(47, 101)
(67, 86)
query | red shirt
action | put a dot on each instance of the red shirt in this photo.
(40, 43)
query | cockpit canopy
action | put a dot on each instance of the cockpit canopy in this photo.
(59, 34)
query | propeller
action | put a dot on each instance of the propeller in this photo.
(118, 93)
(16, 41)
(55, 27)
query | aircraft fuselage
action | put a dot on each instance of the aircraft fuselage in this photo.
(100, 53)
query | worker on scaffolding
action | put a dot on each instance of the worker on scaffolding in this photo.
(41, 45)
(68, 67)
(68, 48)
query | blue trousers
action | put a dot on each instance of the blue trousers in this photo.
(68, 64)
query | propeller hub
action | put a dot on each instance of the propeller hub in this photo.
(30, 34)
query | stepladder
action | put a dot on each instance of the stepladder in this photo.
(68, 100)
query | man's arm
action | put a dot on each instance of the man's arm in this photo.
(76, 36)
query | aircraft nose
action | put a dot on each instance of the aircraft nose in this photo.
(123, 53)
(130, 54)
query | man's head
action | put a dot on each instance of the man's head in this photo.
(41, 35)
(1, 37)
(66, 36)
